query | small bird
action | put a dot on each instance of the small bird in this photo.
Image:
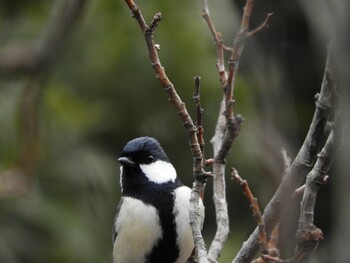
(152, 223)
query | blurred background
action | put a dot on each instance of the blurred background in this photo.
(76, 85)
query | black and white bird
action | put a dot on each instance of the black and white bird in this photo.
(152, 222)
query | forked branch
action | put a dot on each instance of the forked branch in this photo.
(306, 157)
(228, 125)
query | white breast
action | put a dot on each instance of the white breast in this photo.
(138, 229)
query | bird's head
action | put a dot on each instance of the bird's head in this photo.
(144, 160)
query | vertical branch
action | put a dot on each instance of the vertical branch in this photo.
(220, 64)
(233, 63)
(228, 127)
(219, 190)
(199, 111)
(234, 122)
(198, 171)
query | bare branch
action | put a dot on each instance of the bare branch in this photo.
(220, 47)
(299, 168)
(198, 171)
(168, 86)
(227, 129)
(255, 208)
(264, 25)
(233, 128)
(233, 123)
(234, 60)
(219, 189)
(199, 110)
(228, 125)
(308, 235)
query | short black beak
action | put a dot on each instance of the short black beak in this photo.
(126, 161)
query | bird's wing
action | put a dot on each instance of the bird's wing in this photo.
(114, 230)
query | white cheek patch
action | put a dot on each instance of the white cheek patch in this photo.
(159, 172)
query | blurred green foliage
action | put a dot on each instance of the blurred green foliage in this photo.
(102, 92)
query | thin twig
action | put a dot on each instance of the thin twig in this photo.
(220, 47)
(199, 122)
(234, 59)
(233, 123)
(255, 208)
(264, 25)
(199, 111)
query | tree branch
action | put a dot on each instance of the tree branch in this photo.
(199, 111)
(219, 190)
(308, 235)
(264, 25)
(228, 126)
(255, 208)
(300, 166)
(198, 171)
(220, 64)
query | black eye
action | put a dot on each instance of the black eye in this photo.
(149, 159)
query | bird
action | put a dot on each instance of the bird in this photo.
(152, 223)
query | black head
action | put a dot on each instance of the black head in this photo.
(145, 164)
(142, 150)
